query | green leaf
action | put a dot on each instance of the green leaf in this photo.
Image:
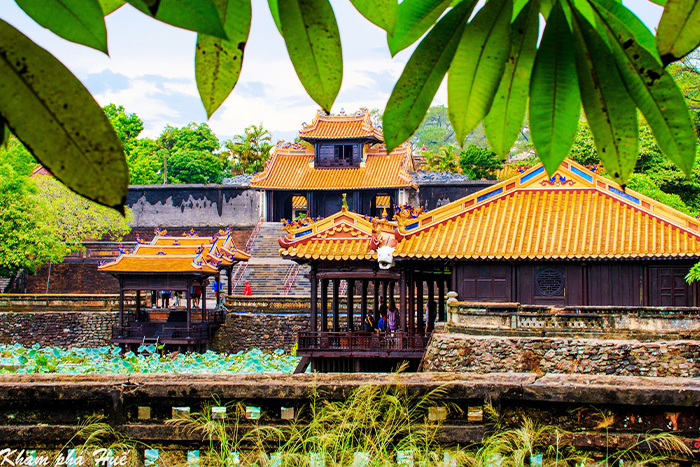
(610, 111)
(217, 62)
(80, 21)
(383, 13)
(57, 119)
(505, 119)
(421, 78)
(196, 15)
(659, 2)
(679, 30)
(109, 6)
(477, 67)
(274, 10)
(4, 134)
(655, 93)
(636, 29)
(555, 103)
(414, 19)
(313, 42)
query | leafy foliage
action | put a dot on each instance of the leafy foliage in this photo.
(191, 166)
(442, 160)
(479, 162)
(250, 150)
(592, 51)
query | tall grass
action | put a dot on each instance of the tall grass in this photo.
(386, 426)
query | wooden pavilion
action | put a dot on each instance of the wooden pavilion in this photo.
(574, 238)
(174, 264)
(342, 153)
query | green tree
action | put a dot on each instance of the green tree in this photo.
(250, 151)
(442, 160)
(17, 156)
(194, 167)
(192, 137)
(27, 239)
(435, 131)
(479, 163)
(127, 126)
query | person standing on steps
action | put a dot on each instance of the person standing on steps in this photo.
(247, 291)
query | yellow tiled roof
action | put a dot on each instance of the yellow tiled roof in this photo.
(574, 214)
(344, 235)
(293, 170)
(341, 126)
(166, 254)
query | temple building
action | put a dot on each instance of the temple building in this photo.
(573, 239)
(179, 265)
(338, 154)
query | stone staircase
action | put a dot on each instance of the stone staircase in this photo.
(267, 270)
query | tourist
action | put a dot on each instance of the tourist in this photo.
(369, 325)
(381, 326)
(196, 295)
(178, 296)
(247, 291)
(165, 299)
(392, 316)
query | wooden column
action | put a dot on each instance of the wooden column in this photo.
(411, 315)
(336, 305)
(402, 303)
(350, 305)
(442, 316)
(218, 288)
(121, 302)
(229, 274)
(324, 305)
(432, 309)
(385, 291)
(189, 303)
(204, 300)
(391, 290)
(314, 299)
(376, 301)
(138, 305)
(363, 303)
(420, 306)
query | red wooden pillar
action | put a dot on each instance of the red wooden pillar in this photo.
(432, 309)
(420, 307)
(324, 305)
(336, 305)
(363, 303)
(402, 306)
(314, 299)
(411, 303)
(350, 298)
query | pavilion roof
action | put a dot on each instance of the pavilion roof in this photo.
(290, 167)
(168, 254)
(344, 235)
(341, 126)
(574, 214)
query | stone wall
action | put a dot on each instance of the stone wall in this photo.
(488, 354)
(199, 205)
(243, 331)
(60, 328)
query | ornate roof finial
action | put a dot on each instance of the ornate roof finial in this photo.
(345, 202)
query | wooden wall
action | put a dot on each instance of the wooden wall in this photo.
(599, 283)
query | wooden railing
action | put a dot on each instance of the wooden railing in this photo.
(63, 302)
(290, 277)
(362, 341)
(163, 332)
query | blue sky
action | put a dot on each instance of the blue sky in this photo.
(150, 70)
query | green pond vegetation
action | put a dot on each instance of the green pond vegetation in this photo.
(375, 426)
(78, 360)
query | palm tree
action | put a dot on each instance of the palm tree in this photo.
(250, 150)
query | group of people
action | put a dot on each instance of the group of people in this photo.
(388, 318)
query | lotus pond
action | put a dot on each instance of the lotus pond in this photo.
(37, 359)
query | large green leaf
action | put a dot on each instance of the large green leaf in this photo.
(505, 119)
(609, 109)
(477, 66)
(109, 6)
(555, 103)
(80, 21)
(655, 93)
(275, 12)
(611, 10)
(414, 19)
(421, 78)
(383, 13)
(217, 62)
(679, 29)
(4, 134)
(196, 15)
(313, 42)
(57, 119)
